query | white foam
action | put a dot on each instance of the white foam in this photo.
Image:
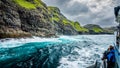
(87, 55)
(10, 43)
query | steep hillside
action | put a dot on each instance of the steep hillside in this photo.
(61, 23)
(59, 18)
(25, 18)
(80, 29)
(94, 29)
(21, 18)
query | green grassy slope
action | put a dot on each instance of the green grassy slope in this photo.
(94, 28)
(58, 17)
(30, 4)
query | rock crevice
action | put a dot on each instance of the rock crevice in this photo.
(17, 20)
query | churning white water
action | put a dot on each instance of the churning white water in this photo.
(91, 49)
(85, 49)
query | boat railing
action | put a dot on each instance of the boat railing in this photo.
(117, 51)
(104, 64)
(117, 56)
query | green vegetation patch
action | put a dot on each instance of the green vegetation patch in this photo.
(53, 9)
(80, 28)
(65, 21)
(58, 17)
(29, 4)
(97, 30)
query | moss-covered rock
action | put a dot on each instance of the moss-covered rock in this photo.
(62, 24)
(29, 16)
(32, 17)
(80, 28)
(59, 18)
(30, 4)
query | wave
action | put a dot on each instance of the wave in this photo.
(63, 52)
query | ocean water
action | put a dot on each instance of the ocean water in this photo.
(78, 51)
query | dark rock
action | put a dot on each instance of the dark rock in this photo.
(35, 22)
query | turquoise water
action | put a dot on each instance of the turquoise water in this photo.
(63, 52)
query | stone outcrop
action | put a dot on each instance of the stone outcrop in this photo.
(30, 19)
(25, 18)
(62, 24)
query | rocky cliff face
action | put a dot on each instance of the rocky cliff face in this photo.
(61, 23)
(25, 18)
(21, 18)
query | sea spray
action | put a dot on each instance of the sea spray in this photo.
(65, 52)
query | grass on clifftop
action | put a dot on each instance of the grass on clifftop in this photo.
(75, 25)
(79, 28)
(29, 5)
(58, 17)
(97, 30)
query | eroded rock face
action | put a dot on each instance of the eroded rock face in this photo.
(35, 22)
(61, 23)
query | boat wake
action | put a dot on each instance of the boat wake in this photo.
(65, 52)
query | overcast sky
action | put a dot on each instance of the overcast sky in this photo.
(87, 11)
